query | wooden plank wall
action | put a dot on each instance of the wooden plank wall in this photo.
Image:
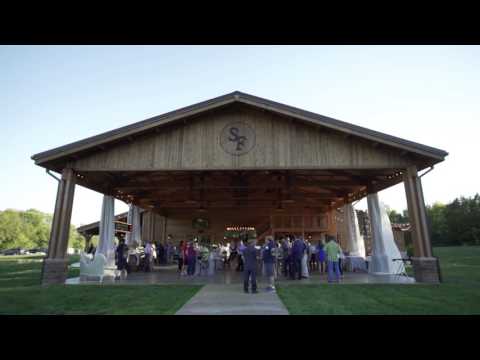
(179, 224)
(153, 227)
(280, 144)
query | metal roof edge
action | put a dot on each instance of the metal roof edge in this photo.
(133, 126)
(325, 120)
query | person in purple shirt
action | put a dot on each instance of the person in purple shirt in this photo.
(321, 256)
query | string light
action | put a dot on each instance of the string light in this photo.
(394, 175)
(240, 228)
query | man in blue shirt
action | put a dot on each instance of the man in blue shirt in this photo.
(268, 260)
(250, 266)
(286, 258)
(298, 249)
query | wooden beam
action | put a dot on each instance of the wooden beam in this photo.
(295, 184)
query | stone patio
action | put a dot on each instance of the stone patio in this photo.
(169, 275)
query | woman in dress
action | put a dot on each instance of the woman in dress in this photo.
(305, 260)
(321, 256)
(211, 261)
(185, 259)
(341, 259)
(268, 262)
(312, 257)
(181, 256)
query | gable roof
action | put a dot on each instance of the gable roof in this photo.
(238, 97)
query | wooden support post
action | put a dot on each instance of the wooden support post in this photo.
(55, 266)
(425, 266)
(67, 206)
(52, 248)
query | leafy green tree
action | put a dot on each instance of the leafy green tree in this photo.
(457, 223)
(31, 229)
(396, 217)
(462, 217)
(37, 227)
(75, 240)
(436, 215)
(12, 230)
(94, 240)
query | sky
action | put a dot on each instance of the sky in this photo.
(54, 95)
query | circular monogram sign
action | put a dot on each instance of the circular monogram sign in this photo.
(237, 138)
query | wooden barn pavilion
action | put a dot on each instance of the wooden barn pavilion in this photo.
(239, 160)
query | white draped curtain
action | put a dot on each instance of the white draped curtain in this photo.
(106, 245)
(355, 241)
(133, 238)
(384, 248)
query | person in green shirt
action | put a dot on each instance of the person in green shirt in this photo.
(332, 250)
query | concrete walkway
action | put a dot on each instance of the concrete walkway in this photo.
(221, 299)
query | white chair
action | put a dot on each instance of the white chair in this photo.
(93, 268)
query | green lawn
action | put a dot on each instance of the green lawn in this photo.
(458, 294)
(21, 293)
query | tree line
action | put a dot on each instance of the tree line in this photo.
(455, 223)
(30, 229)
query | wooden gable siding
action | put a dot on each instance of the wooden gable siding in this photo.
(280, 143)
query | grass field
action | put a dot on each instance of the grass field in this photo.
(21, 293)
(458, 294)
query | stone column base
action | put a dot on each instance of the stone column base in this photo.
(54, 271)
(426, 269)
(379, 264)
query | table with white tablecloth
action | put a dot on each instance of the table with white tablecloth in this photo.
(355, 263)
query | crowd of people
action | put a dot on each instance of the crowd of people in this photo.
(301, 257)
(147, 255)
(290, 256)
